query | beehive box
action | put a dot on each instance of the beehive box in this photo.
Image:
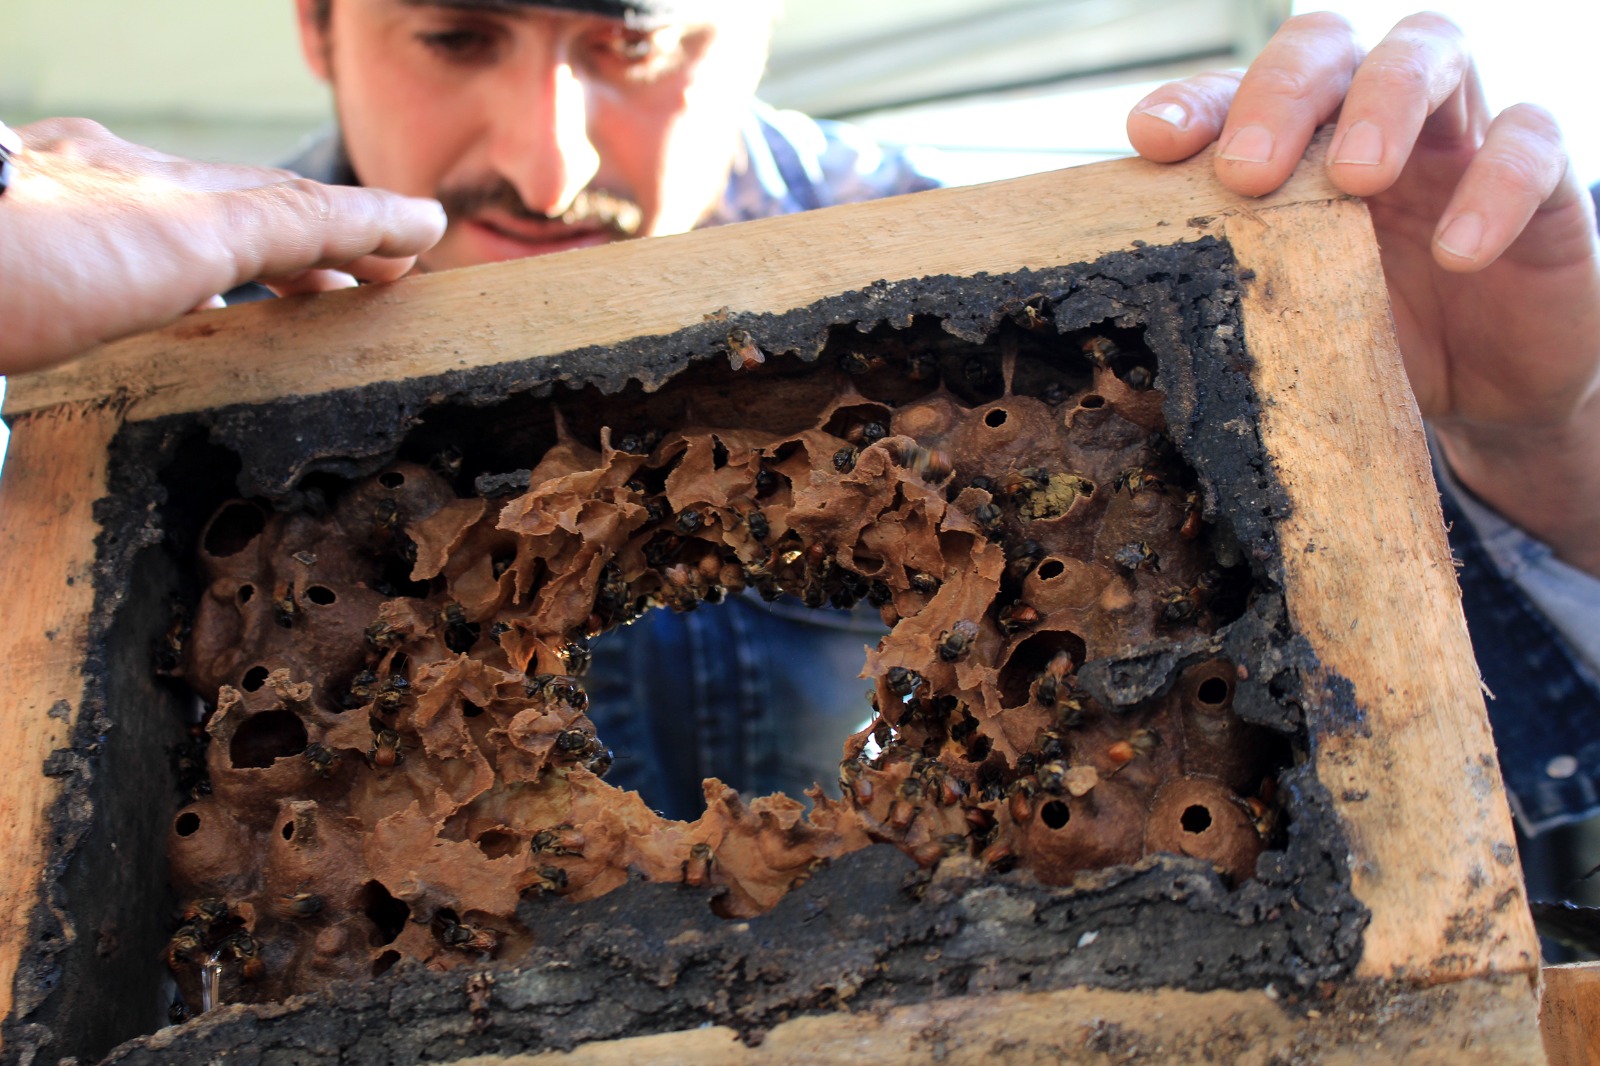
(1389, 913)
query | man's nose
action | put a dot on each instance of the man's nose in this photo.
(541, 141)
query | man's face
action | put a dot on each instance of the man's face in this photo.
(539, 129)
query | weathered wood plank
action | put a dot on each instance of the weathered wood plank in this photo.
(510, 311)
(55, 470)
(1569, 1014)
(1371, 584)
(1477, 1021)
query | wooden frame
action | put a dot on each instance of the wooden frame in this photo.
(1450, 965)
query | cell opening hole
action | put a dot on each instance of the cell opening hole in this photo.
(387, 914)
(288, 830)
(234, 528)
(1051, 569)
(496, 844)
(996, 418)
(1213, 692)
(1092, 401)
(265, 738)
(391, 479)
(1055, 814)
(187, 825)
(1195, 819)
(321, 595)
(246, 592)
(253, 679)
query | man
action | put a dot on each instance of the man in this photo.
(543, 126)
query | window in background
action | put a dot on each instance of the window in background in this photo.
(1003, 88)
(1540, 55)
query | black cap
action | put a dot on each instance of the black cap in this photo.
(652, 12)
(652, 9)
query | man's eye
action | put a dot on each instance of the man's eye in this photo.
(458, 46)
(638, 56)
(632, 46)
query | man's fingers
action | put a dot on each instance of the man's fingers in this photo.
(1420, 69)
(298, 225)
(310, 281)
(1179, 119)
(325, 279)
(1521, 168)
(379, 267)
(1294, 85)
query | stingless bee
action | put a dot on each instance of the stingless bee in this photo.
(285, 609)
(902, 681)
(1135, 479)
(1015, 617)
(1138, 556)
(698, 866)
(956, 642)
(742, 351)
(557, 840)
(385, 751)
(1139, 742)
(323, 760)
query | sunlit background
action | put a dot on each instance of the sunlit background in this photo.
(1004, 86)
(1538, 52)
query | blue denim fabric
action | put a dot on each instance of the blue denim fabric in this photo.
(1546, 708)
(760, 695)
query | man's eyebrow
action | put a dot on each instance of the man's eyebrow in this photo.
(634, 21)
(489, 5)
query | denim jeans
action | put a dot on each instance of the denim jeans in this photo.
(1546, 708)
(760, 695)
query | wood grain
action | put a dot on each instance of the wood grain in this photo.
(55, 470)
(510, 311)
(1476, 1022)
(1569, 1014)
(1371, 584)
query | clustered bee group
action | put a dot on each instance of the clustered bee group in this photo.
(398, 763)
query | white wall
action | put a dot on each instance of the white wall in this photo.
(1539, 51)
(190, 58)
(210, 78)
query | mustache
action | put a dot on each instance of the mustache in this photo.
(591, 208)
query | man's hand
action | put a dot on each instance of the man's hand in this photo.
(1488, 243)
(100, 238)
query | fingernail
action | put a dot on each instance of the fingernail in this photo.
(428, 213)
(1172, 114)
(1463, 236)
(1252, 144)
(427, 206)
(1361, 145)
